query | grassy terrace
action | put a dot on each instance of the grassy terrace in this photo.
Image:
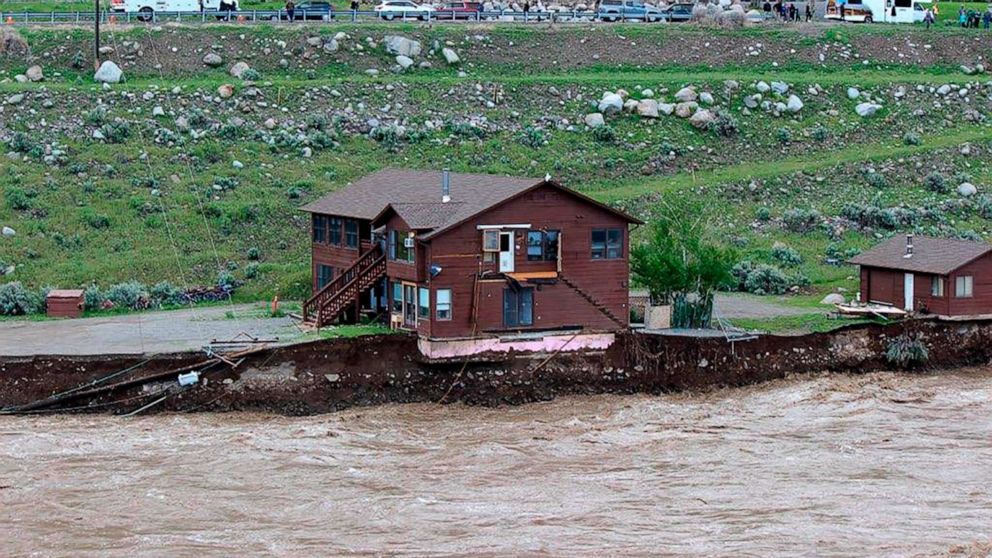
(165, 204)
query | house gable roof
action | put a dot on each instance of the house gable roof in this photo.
(416, 197)
(939, 256)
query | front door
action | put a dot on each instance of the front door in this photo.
(409, 305)
(907, 291)
(506, 252)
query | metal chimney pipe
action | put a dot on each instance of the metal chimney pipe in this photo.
(445, 186)
(909, 246)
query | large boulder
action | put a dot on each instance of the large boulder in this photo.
(666, 108)
(833, 298)
(685, 110)
(648, 108)
(404, 61)
(686, 94)
(702, 119)
(611, 103)
(34, 73)
(865, 110)
(967, 189)
(450, 56)
(238, 69)
(794, 104)
(399, 45)
(595, 120)
(108, 72)
(213, 60)
(780, 87)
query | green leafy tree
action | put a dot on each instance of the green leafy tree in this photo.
(680, 265)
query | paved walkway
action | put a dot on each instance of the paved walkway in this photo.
(149, 332)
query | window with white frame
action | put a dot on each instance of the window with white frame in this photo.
(963, 286)
(442, 304)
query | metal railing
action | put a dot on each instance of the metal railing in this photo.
(347, 16)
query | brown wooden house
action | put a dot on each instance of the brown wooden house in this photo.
(472, 263)
(939, 276)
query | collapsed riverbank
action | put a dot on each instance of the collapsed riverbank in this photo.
(329, 375)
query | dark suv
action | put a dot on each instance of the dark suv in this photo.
(311, 10)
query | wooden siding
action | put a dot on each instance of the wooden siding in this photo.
(886, 285)
(459, 253)
(981, 301)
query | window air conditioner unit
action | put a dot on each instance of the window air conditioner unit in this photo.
(408, 242)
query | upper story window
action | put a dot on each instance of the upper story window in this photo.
(334, 236)
(607, 244)
(398, 246)
(319, 228)
(542, 246)
(351, 233)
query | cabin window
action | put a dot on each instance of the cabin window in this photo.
(607, 244)
(393, 237)
(398, 298)
(937, 286)
(319, 228)
(351, 233)
(398, 246)
(335, 231)
(424, 303)
(963, 286)
(325, 274)
(542, 246)
(490, 240)
(518, 307)
(442, 304)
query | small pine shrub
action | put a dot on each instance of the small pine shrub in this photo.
(821, 134)
(116, 132)
(226, 281)
(254, 254)
(93, 297)
(785, 255)
(21, 143)
(724, 125)
(19, 199)
(604, 134)
(96, 117)
(800, 220)
(907, 351)
(532, 137)
(251, 271)
(130, 294)
(876, 180)
(165, 293)
(96, 220)
(763, 214)
(911, 138)
(250, 74)
(18, 300)
(936, 182)
(784, 135)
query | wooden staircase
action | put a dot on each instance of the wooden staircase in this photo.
(332, 300)
(602, 309)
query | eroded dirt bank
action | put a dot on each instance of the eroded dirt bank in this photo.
(336, 374)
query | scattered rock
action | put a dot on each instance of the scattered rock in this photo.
(225, 91)
(404, 61)
(450, 56)
(238, 69)
(967, 189)
(647, 108)
(833, 298)
(7, 231)
(780, 87)
(331, 46)
(686, 94)
(109, 73)
(213, 60)
(706, 98)
(853, 93)
(685, 110)
(399, 45)
(762, 87)
(865, 110)
(15, 99)
(794, 104)
(595, 120)
(944, 89)
(702, 118)
(611, 103)
(34, 73)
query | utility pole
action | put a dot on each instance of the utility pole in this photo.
(96, 35)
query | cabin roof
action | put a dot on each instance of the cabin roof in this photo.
(368, 196)
(939, 256)
(416, 197)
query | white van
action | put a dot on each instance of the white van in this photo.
(145, 9)
(886, 11)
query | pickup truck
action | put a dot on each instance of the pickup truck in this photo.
(616, 10)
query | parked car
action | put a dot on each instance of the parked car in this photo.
(679, 12)
(458, 10)
(391, 9)
(615, 10)
(308, 11)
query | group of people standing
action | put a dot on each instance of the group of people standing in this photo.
(971, 18)
(789, 11)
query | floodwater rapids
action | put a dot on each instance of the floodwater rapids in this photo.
(880, 464)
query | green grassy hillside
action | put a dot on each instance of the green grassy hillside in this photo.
(160, 178)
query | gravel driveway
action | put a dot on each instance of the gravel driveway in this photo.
(140, 333)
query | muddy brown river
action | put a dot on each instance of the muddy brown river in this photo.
(874, 465)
